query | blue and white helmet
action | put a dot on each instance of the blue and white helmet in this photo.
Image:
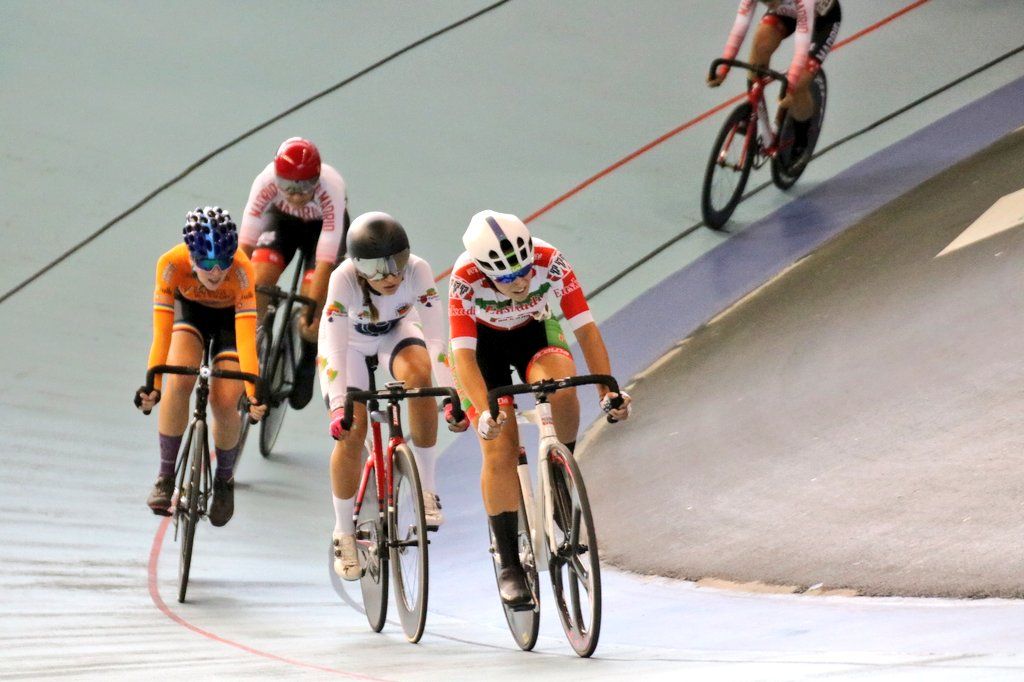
(210, 235)
(499, 243)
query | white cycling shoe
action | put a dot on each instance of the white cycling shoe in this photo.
(346, 560)
(432, 510)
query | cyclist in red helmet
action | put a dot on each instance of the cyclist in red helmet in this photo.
(297, 203)
(814, 25)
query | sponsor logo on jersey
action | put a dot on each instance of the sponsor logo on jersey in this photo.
(403, 309)
(496, 308)
(327, 209)
(571, 285)
(336, 308)
(168, 274)
(428, 297)
(558, 269)
(459, 288)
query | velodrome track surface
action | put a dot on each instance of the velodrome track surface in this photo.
(88, 576)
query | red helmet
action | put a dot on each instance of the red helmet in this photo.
(297, 160)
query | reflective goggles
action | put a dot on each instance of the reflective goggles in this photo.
(208, 264)
(376, 269)
(297, 186)
(513, 276)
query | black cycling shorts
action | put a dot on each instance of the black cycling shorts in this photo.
(286, 234)
(216, 324)
(826, 29)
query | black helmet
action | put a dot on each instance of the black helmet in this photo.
(377, 245)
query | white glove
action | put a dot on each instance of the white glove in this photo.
(488, 426)
(621, 412)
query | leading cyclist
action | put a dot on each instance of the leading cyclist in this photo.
(499, 315)
(815, 24)
(204, 290)
(296, 203)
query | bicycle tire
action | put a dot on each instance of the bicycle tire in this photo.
(525, 624)
(371, 548)
(408, 545)
(782, 175)
(190, 514)
(575, 566)
(277, 401)
(729, 166)
(243, 431)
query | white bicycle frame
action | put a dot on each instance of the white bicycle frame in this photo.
(538, 507)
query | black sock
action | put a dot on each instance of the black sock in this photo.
(800, 132)
(571, 446)
(505, 527)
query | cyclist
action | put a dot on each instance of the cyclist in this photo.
(499, 315)
(375, 299)
(296, 202)
(816, 25)
(204, 290)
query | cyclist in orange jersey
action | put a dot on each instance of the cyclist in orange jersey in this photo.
(204, 292)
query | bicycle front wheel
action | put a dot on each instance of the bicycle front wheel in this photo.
(243, 431)
(371, 547)
(574, 565)
(524, 624)
(279, 387)
(408, 545)
(728, 167)
(188, 505)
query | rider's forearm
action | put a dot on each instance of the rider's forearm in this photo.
(594, 352)
(318, 285)
(470, 379)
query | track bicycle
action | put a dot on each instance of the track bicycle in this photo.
(388, 513)
(749, 138)
(556, 527)
(192, 472)
(277, 347)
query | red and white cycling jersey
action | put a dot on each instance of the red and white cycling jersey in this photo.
(803, 11)
(328, 204)
(472, 297)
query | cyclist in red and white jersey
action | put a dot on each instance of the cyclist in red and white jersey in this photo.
(296, 203)
(814, 25)
(500, 318)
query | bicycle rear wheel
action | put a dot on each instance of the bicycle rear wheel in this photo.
(524, 624)
(784, 175)
(371, 547)
(408, 545)
(574, 566)
(728, 167)
(277, 394)
(188, 505)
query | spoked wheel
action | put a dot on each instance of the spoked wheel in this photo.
(188, 506)
(409, 546)
(243, 432)
(728, 167)
(783, 174)
(574, 566)
(524, 624)
(371, 546)
(279, 386)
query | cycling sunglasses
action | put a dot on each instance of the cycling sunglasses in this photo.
(376, 269)
(513, 276)
(297, 186)
(208, 264)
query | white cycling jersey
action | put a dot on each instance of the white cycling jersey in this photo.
(328, 204)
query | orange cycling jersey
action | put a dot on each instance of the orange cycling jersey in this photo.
(174, 277)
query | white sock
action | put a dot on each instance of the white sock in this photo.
(343, 522)
(426, 462)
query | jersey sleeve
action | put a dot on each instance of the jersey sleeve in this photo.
(333, 338)
(801, 40)
(428, 306)
(461, 313)
(245, 319)
(333, 198)
(739, 29)
(254, 218)
(163, 313)
(566, 288)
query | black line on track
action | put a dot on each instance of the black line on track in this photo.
(885, 119)
(309, 100)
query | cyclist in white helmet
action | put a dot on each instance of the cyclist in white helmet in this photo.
(500, 318)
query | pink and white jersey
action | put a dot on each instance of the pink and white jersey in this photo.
(803, 11)
(346, 320)
(328, 204)
(472, 297)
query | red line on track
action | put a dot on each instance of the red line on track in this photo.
(154, 593)
(692, 122)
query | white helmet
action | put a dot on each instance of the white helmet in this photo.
(498, 242)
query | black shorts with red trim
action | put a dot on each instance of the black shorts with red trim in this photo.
(498, 351)
(285, 234)
(826, 29)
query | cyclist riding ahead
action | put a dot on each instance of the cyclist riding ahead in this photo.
(296, 203)
(816, 25)
(500, 318)
(375, 299)
(204, 292)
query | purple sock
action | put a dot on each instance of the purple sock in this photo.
(169, 446)
(225, 462)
